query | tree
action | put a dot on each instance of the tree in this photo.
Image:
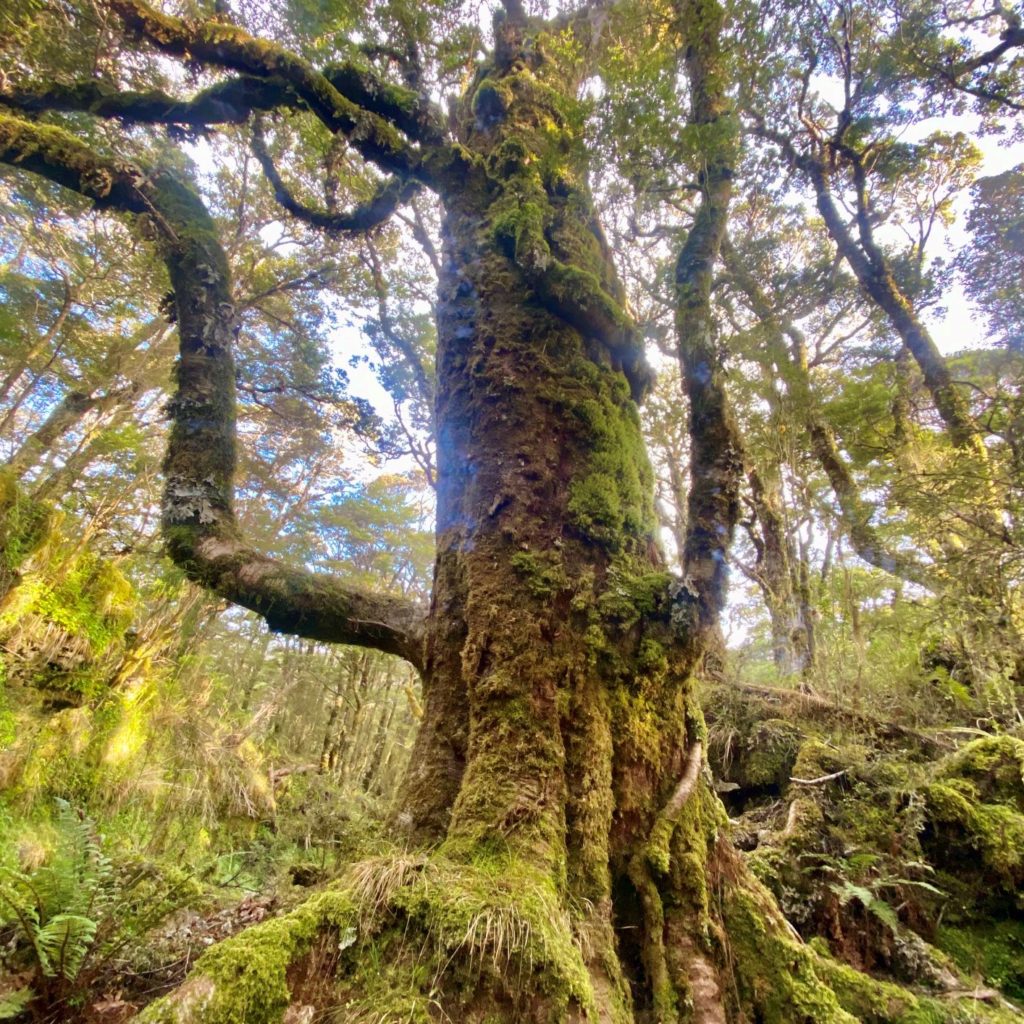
(570, 861)
(991, 263)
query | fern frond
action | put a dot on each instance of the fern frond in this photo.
(14, 1004)
(62, 944)
(847, 891)
(15, 906)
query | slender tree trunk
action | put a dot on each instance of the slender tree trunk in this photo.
(856, 513)
(778, 573)
(875, 277)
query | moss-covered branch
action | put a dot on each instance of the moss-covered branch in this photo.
(198, 516)
(220, 44)
(564, 259)
(578, 298)
(229, 102)
(233, 100)
(407, 110)
(362, 217)
(571, 293)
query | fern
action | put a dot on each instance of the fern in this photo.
(14, 1004)
(63, 943)
(847, 891)
(55, 908)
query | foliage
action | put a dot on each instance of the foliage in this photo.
(54, 908)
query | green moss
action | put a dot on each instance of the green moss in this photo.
(93, 600)
(878, 1002)
(505, 911)
(244, 979)
(8, 721)
(971, 831)
(596, 506)
(87, 597)
(769, 754)
(774, 972)
(792, 983)
(818, 758)
(543, 572)
(491, 101)
(994, 950)
(574, 285)
(994, 766)
(494, 928)
(612, 499)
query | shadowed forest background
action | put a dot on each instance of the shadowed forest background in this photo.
(512, 512)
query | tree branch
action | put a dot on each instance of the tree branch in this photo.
(198, 515)
(572, 294)
(363, 217)
(227, 46)
(228, 102)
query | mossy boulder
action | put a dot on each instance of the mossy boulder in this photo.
(994, 766)
(770, 754)
(974, 811)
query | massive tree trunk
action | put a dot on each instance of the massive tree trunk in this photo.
(558, 715)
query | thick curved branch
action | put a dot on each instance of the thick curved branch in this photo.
(198, 515)
(409, 111)
(957, 74)
(233, 100)
(1011, 37)
(392, 194)
(227, 46)
(574, 295)
(582, 303)
(875, 277)
(229, 102)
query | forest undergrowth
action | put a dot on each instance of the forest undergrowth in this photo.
(160, 795)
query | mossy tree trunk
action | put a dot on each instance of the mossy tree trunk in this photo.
(558, 715)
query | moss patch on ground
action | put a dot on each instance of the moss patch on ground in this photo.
(409, 937)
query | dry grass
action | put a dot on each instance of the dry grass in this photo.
(374, 882)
